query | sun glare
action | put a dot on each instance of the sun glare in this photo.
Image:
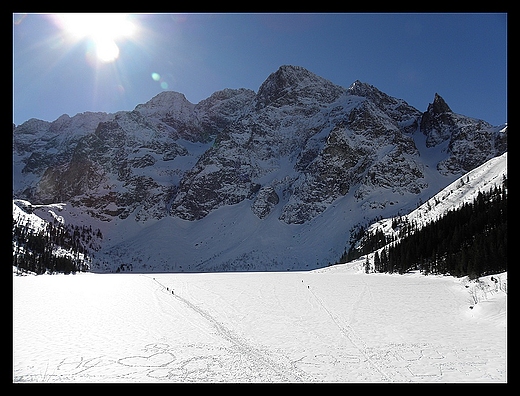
(102, 29)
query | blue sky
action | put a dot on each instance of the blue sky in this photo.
(463, 57)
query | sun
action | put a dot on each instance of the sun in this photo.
(103, 30)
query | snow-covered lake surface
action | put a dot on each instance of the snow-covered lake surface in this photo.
(336, 324)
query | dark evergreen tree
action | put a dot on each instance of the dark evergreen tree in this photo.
(377, 262)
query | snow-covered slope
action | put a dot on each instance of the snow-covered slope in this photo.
(463, 190)
(330, 325)
(243, 180)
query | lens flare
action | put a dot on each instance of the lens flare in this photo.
(157, 77)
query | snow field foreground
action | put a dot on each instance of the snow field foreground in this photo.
(334, 325)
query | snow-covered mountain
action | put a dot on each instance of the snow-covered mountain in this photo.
(243, 180)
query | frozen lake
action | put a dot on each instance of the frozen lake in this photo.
(332, 325)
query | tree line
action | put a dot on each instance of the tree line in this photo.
(470, 240)
(53, 248)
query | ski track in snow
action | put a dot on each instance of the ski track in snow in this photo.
(289, 327)
(353, 337)
(259, 358)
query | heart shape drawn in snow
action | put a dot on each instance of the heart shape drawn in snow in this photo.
(159, 359)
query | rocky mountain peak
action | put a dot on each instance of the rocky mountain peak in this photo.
(289, 75)
(361, 89)
(439, 105)
(379, 98)
(401, 112)
(225, 94)
(295, 82)
(437, 122)
(166, 103)
(226, 102)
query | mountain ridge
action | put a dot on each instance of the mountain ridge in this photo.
(288, 155)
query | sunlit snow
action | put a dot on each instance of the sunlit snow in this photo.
(334, 325)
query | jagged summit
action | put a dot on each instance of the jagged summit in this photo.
(368, 91)
(439, 105)
(437, 122)
(405, 115)
(360, 88)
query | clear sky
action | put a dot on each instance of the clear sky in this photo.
(69, 65)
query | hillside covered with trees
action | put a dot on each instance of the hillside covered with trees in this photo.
(470, 240)
(53, 248)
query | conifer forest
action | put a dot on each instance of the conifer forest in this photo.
(468, 241)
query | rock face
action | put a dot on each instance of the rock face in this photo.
(291, 151)
(265, 201)
(291, 107)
